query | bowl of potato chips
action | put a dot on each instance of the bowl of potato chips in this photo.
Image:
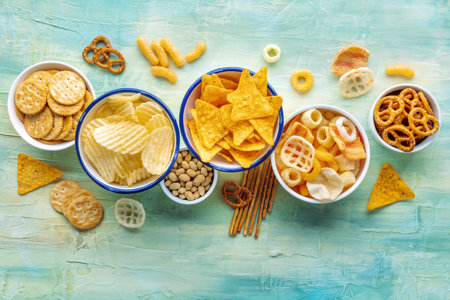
(231, 118)
(127, 140)
(323, 154)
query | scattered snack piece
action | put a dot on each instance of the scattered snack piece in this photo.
(59, 191)
(389, 188)
(189, 178)
(356, 82)
(172, 51)
(348, 58)
(161, 53)
(129, 213)
(94, 48)
(164, 72)
(308, 80)
(102, 55)
(271, 53)
(84, 212)
(399, 69)
(147, 51)
(236, 195)
(33, 174)
(196, 53)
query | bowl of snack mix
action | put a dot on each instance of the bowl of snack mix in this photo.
(45, 103)
(231, 119)
(323, 154)
(190, 181)
(405, 118)
(127, 140)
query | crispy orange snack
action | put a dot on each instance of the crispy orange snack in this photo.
(298, 129)
(215, 95)
(244, 158)
(33, 174)
(211, 80)
(246, 145)
(260, 80)
(348, 58)
(205, 154)
(228, 84)
(264, 126)
(352, 150)
(209, 123)
(240, 129)
(389, 188)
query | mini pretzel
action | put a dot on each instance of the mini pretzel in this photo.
(429, 124)
(93, 47)
(103, 52)
(399, 136)
(425, 103)
(387, 109)
(241, 195)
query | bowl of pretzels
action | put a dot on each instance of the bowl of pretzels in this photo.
(405, 118)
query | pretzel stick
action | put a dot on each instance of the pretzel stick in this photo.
(272, 195)
(252, 204)
(243, 210)
(263, 197)
(268, 193)
(234, 220)
(246, 211)
(258, 199)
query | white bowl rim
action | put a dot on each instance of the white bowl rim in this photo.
(362, 173)
(11, 103)
(433, 103)
(187, 202)
(128, 190)
(192, 148)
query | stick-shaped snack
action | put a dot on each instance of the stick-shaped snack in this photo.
(173, 52)
(196, 53)
(164, 72)
(163, 59)
(147, 51)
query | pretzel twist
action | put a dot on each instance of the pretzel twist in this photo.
(103, 53)
(241, 195)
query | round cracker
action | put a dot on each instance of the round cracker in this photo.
(71, 195)
(59, 190)
(64, 110)
(56, 129)
(50, 142)
(42, 76)
(40, 124)
(73, 130)
(88, 99)
(67, 87)
(20, 114)
(53, 71)
(84, 212)
(67, 125)
(31, 96)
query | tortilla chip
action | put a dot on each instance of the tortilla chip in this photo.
(240, 129)
(352, 150)
(226, 154)
(215, 95)
(194, 115)
(389, 188)
(205, 154)
(210, 80)
(228, 84)
(264, 126)
(222, 143)
(244, 158)
(246, 145)
(260, 80)
(33, 174)
(248, 103)
(209, 123)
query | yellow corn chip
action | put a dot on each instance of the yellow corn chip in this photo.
(222, 143)
(389, 188)
(253, 137)
(240, 129)
(246, 145)
(205, 154)
(215, 95)
(228, 84)
(264, 126)
(260, 80)
(244, 158)
(248, 103)
(209, 123)
(225, 154)
(210, 80)
(33, 173)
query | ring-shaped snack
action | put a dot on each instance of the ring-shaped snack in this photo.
(387, 109)
(306, 75)
(342, 123)
(267, 53)
(311, 118)
(324, 137)
(291, 177)
(129, 213)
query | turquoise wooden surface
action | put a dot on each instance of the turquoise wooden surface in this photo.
(335, 251)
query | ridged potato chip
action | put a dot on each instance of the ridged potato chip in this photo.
(157, 121)
(101, 158)
(126, 164)
(158, 151)
(119, 99)
(145, 111)
(137, 175)
(126, 111)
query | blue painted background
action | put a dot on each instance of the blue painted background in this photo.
(335, 251)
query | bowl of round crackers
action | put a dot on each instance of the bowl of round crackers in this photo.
(127, 140)
(45, 103)
(231, 118)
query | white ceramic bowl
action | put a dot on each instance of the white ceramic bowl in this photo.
(218, 162)
(89, 114)
(364, 164)
(198, 200)
(396, 89)
(17, 124)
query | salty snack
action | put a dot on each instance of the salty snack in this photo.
(196, 53)
(161, 54)
(348, 58)
(129, 213)
(271, 53)
(170, 48)
(59, 191)
(164, 72)
(103, 54)
(403, 120)
(399, 69)
(237, 123)
(147, 51)
(189, 179)
(129, 140)
(33, 174)
(94, 48)
(84, 212)
(31, 96)
(38, 125)
(389, 188)
(356, 82)
(314, 160)
(308, 80)
(236, 195)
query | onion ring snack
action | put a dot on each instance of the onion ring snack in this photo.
(307, 76)
(271, 53)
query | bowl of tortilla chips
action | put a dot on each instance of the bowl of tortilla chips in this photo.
(231, 118)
